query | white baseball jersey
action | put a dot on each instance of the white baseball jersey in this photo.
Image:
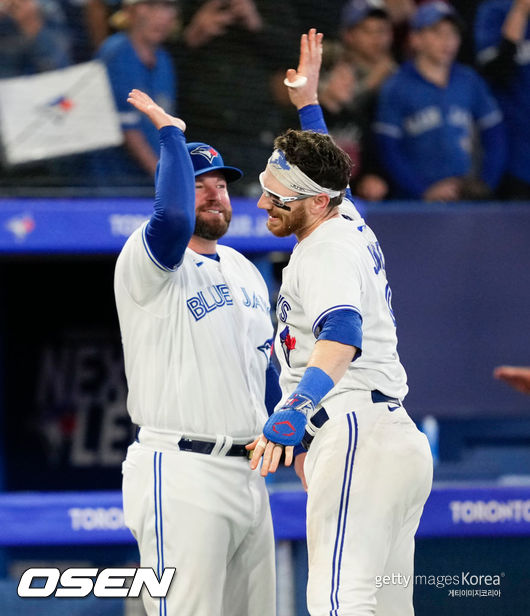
(368, 469)
(339, 266)
(177, 324)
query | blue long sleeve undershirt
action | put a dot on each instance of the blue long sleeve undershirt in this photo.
(171, 226)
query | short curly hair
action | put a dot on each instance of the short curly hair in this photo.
(319, 157)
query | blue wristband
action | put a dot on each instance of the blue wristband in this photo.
(312, 118)
(287, 425)
(315, 384)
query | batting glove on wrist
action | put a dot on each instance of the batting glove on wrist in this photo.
(287, 425)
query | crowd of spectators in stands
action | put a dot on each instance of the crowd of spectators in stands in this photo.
(431, 99)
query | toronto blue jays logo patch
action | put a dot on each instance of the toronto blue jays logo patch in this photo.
(288, 343)
(278, 160)
(207, 151)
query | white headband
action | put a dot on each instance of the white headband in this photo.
(294, 178)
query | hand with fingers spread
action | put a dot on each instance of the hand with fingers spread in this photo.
(308, 67)
(271, 453)
(144, 103)
(284, 429)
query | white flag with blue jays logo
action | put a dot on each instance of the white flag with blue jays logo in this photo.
(57, 113)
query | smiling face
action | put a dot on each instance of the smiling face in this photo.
(213, 211)
(280, 222)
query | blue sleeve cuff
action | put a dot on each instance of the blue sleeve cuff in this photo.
(311, 118)
(342, 325)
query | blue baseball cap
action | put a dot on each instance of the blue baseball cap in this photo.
(357, 10)
(204, 158)
(430, 13)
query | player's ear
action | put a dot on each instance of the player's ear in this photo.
(319, 204)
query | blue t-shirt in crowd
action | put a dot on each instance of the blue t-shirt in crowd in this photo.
(425, 132)
(127, 71)
(514, 96)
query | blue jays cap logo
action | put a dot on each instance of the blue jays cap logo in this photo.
(204, 158)
(207, 151)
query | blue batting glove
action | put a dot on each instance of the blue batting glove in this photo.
(287, 425)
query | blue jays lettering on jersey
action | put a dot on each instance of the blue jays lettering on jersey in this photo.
(513, 96)
(282, 308)
(216, 296)
(209, 299)
(434, 126)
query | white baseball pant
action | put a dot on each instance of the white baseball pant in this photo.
(208, 516)
(369, 473)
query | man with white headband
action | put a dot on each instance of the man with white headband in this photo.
(368, 469)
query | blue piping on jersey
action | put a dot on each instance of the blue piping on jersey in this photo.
(159, 529)
(151, 256)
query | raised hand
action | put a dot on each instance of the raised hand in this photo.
(144, 103)
(309, 67)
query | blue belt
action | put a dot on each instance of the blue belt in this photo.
(321, 416)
